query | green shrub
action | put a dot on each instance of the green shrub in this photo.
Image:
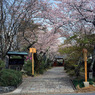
(28, 67)
(2, 63)
(48, 64)
(10, 77)
(66, 65)
(91, 81)
(71, 72)
(80, 82)
(42, 67)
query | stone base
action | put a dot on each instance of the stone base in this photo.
(86, 84)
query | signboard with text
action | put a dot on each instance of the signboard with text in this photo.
(32, 50)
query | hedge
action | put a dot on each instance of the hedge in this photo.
(10, 77)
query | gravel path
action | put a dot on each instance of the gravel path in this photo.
(55, 80)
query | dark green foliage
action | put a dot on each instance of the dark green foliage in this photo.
(41, 68)
(70, 67)
(28, 67)
(40, 65)
(10, 77)
(94, 67)
(89, 65)
(2, 64)
(80, 82)
(91, 81)
(74, 60)
(66, 65)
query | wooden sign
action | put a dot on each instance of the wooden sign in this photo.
(32, 50)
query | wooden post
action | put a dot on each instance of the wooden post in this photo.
(32, 50)
(85, 71)
(32, 64)
(85, 61)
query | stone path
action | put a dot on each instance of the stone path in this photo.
(53, 81)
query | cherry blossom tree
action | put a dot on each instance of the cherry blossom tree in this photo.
(54, 17)
(28, 37)
(12, 14)
(67, 13)
(62, 16)
(47, 42)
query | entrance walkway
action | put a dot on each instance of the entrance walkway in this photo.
(55, 80)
